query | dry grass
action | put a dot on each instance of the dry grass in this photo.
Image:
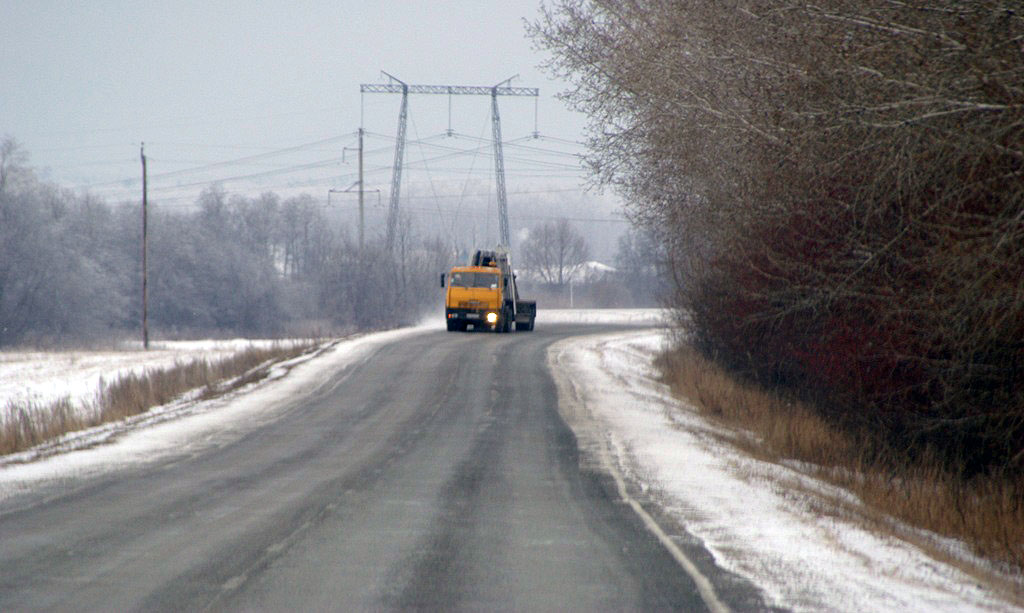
(27, 425)
(30, 424)
(987, 513)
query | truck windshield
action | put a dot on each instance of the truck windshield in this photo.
(475, 279)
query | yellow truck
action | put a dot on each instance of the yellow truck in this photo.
(484, 295)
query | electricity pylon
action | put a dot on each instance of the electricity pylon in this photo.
(396, 86)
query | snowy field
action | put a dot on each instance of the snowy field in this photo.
(182, 427)
(41, 378)
(742, 510)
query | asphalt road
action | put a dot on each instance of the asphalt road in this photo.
(436, 474)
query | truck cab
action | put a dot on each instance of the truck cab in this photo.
(484, 295)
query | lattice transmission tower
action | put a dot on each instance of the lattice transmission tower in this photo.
(397, 86)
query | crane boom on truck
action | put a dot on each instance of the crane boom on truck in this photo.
(484, 295)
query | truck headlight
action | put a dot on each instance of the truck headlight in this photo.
(492, 318)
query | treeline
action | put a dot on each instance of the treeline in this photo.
(70, 266)
(840, 189)
(554, 269)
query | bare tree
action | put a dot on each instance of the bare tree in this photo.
(556, 251)
(839, 187)
(641, 263)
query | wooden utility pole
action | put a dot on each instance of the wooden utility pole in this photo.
(145, 238)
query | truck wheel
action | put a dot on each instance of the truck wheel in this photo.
(455, 326)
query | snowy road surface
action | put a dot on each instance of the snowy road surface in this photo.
(418, 468)
(431, 472)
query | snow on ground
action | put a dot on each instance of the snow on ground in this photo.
(42, 378)
(652, 317)
(741, 508)
(186, 426)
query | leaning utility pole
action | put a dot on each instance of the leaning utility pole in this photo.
(145, 273)
(396, 86)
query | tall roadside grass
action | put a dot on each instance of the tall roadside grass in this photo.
(25, 425)
(985, 512)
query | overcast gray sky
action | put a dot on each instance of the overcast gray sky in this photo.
(207, 81)
(108, 74)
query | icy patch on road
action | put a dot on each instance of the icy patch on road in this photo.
(746, 512)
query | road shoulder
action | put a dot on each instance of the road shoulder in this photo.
(763, 523)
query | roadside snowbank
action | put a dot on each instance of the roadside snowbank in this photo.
(743, 510)
(42, 378)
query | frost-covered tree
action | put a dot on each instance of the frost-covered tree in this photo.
(555, 251)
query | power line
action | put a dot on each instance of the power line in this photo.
(524, 164)
(232, 162)
(454, 152)
(190, 200)
(535, 217)
(451, 154)
(255, 157)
